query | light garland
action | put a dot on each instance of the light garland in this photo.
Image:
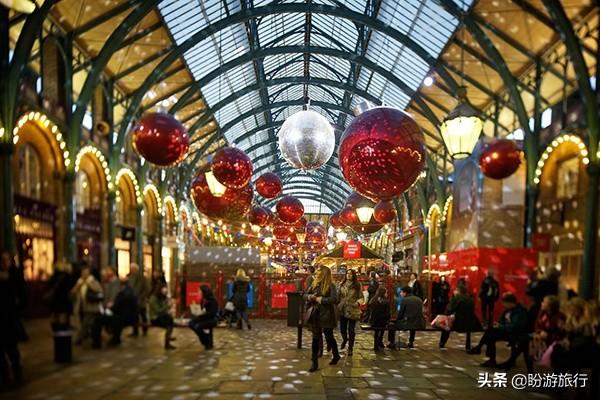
(170, 200)
(46, 123)
(583, 152)
(446, 208)
(136, 186)
(183, 209)
(95, 152)
(432, 209)
(151, 188)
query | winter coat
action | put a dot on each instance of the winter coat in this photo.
(58, 295)
(80, 292)
(241, 287)
(380, 313)
(349, 297)
(209, 318)
(514, 321)
(125, 307)
(111, 290)
(141, 287)
(325, 315)
(158, 306)
(9, 293)
(489, 290)
(410, 315)
(417, 289)
(463, 308)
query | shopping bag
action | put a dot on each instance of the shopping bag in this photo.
(229, 306)
(442, 321)
(546, 359)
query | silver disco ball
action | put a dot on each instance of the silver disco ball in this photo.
(306, 140)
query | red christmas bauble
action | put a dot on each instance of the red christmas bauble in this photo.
(232, 167)
(268, 185)
(233, 205)
(260, 216)
(300, 224)
(382, 153)
(384, 212)
(335, 220)
(290, 209)
(315, 241)
(355, 200)
(160, 139)
(315, 228)
(500, 159)
(349, 217)
(282, 231)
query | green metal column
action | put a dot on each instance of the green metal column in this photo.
(111, 214)
(443, 227)
(69, 217)
(159, 242)
(139, 236)
(587, 280)
(6, 187)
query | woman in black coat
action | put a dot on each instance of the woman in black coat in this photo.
(380, 316)
(465, 321)
(241, 287)
(58, 296)
(321, 299)
(203, 324)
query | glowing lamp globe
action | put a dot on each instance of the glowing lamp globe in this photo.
(232, 167)
(160, 139)
(260, 216)
(290, 209)
(382, 153)
(268, 185)
(384, 212)
(306, 140)
(500, 159)
(362, 206)
(232, 205)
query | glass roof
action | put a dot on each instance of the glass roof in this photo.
(425, 22)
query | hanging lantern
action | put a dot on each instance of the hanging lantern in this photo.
(232, 205)
(290, 209)
(232, 167)
(384, 212)
(306, 140)
(461, 128)
(362, 206)
(301, 236)
(216, 188)
(382, 153)
(160, 139)
(500, 159)
(340, 235)
(268, 185)
(366, 229)
(260, 216)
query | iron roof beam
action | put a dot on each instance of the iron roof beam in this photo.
(102, 18)
(141, 64)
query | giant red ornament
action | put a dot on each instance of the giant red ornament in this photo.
(315, 228)
(282, 231)
(335, 220)
(268, 185)
(160, 139)
(232, 167)
(301, 224)
(290, 209)
(384, 212)
(500, 159)
(233, 205)
(349, 217)
(382, 153)
(260, 216)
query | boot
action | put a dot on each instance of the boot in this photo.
(344, 341)
(314, 361)
(351, 343)
(168, 345)
(336, 354)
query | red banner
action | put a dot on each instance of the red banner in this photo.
(192, 292)
(352, 249)
(279, 294)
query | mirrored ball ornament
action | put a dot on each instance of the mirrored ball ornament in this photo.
(160, 139)
(306, 140)
(382, 153)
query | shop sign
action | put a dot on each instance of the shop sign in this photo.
(29, 208)
(192, 292)
(352, 249)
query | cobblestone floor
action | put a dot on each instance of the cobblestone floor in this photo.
(259, 364)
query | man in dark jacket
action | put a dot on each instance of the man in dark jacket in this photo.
(141, 287)
(462, 306)
(511, 327)
(410, 316)
(124, 310)
(9, 318)
(488, 294)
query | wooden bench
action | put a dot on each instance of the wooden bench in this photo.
(392, 327)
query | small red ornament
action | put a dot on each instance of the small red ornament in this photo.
(233, 205)
(384, 212)
(382, 153)
(500, 159)
(290, 209)
(268, 185)
(260, 216)
(282, 231)
(335, 220)
(349, 217)
(232, 167)
(300, 224)
(160, 139)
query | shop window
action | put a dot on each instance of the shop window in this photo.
(568, 178)
(30, 175)
(83, 192)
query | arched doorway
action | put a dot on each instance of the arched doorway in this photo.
(38, 168)
(127, 194)
(169, 250)
(152, 209)
(91, 181)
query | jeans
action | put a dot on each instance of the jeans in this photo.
(317, 333)
(487, 312)
(378, 339)
(489, 339)
(347, 326)
(242, 316)
(92, 326)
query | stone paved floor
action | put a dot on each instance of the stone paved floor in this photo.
(258, 364)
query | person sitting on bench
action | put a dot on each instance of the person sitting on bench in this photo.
(380, 316)
(410, 317)
(511, 327)
(465, 321)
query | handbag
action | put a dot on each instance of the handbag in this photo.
(309, 315)
(442, 321)
(93, 296)
(229, 306)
